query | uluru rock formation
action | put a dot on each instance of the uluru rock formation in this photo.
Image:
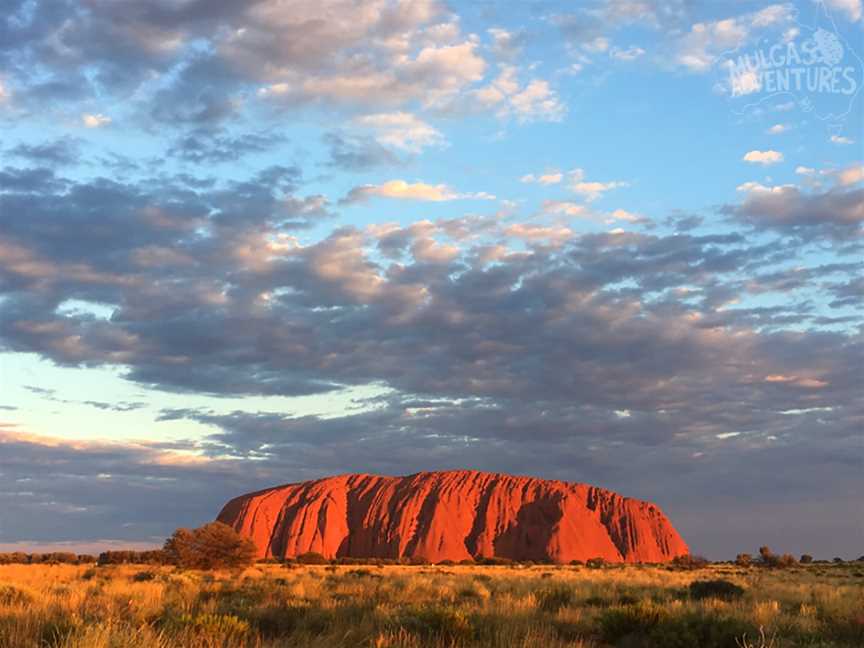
(453, 515)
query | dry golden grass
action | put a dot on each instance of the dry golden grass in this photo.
(65, 606)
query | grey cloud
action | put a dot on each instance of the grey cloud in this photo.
(59, 152)
(354, 153)
(207, 146)
(836, 213)
(86, 491)
(216, 55)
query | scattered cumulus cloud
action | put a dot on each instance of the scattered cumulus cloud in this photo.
(563, 207)
(764, 158)
(534, 100)
(402, 130)
(698, 49)
(403, 190)
(626, 54)
(590, 190)
(547, 178)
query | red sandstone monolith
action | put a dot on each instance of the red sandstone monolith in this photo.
(453, 515)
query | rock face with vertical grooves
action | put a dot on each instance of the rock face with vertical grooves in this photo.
(453, 515)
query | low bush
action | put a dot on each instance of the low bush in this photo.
(446, 624)
(629, 621)
(717, 589)
(554, 598)
(143, 576)
(311, 558)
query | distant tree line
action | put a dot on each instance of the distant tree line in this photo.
(219, 546)
(52, 558)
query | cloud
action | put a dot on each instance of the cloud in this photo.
(533, 101)
(531, 232)
(836, 213)
(840, 139)
(506, 45)
(763, 157)
(563, 207)
(402, 130)
(95, 120)
(548, 178)
(698, 49)
(629, 54)
(590, 190)
(356, 153)
(205, 145)
(62, 151)
(851, 175)
(403, 190)
(210, 63)
(850, 9)
(630, 217)
(777, 129)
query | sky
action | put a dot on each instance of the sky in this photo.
(616, 242)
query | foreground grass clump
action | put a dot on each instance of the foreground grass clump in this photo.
(444, 606)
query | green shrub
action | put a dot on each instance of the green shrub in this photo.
(744, 560)
(273, 622)
(554, 598)
(311, 558)
(631, 620)
(691, 630)
(222, 627)
(444, 623)
(717, 589)
(806, 559)
(143, 576)
(595, 563)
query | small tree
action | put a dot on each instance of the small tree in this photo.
(770, 559)
(743, 560)
(212, 546)
(806, 559)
